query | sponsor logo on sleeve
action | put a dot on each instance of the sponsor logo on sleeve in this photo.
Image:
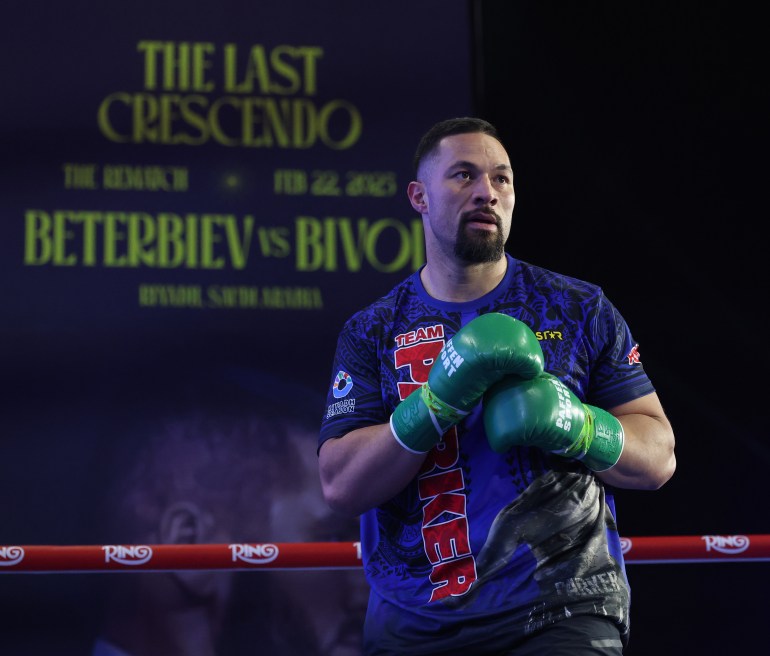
(633, 355)
(343, 383)
(344, 407)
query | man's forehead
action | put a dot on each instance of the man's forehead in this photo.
(472, 147)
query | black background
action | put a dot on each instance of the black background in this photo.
(638, 137)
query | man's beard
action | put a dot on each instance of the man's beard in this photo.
(479, 246)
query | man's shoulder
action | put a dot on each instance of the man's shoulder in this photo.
(545, 279)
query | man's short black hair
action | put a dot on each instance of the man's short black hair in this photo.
(462, 125)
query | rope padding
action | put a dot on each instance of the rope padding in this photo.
(331, 555)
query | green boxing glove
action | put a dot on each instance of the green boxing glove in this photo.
(481, 353)
(543, 412)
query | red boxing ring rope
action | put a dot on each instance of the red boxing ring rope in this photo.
(331, 555)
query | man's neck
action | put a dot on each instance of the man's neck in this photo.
(457, 283)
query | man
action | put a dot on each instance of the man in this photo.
(478, 418)
(223, 475)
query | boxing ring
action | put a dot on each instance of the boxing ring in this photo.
(330, 555)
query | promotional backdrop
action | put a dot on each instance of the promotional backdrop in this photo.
(193, 199)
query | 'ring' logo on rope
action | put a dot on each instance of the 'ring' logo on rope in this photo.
(625, 545)
(255, 554)
(11, 556)
(134, 555)
(726, 544)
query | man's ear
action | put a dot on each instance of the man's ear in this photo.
(182, 523)
(417, 196)
(185, 523)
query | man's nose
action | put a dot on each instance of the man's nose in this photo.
(484, 191)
